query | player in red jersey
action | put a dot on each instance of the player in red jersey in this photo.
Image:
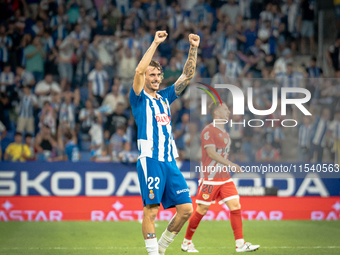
(215, 181)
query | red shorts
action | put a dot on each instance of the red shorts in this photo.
(208, 194)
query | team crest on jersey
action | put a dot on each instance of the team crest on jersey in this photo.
(205, 196)
(163, 119)
(225, 140)
(165, 105)
(151, 195)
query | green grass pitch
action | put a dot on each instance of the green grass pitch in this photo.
(275, 237)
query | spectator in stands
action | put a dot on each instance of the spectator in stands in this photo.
(306, 24)
(45, 143)
(105, 29)
(116, 119)
(290, 79)
(290, 10)
(267, 154)
(207, 45)
(48, 117)
(114, 97)
(17, 151)
(98, 84)
(5, 46)
(265, 32)
(87, 117)
(71, 149)
(26, 115)
(67, 111)
(305, 130)
(106, 47)
(275, 136)
(117, 142)
(128, 156)
(231, 10)
(23, 77)
(35, 56)
(105, 155)
(3, 133)
(266, 15)
(97, 139)
(236, 134)
(230, 42)
(6, 78)
(45, 88)
(59, 23)
(313, 70)
(192, 141)
(233, 68)
(327, 92)
(30, 144)
(85, 22)
(114, 16)
(78, 34)
(65, 67)
(127, 64)
(280, 65)
(221, 77)
(251, 34)
(334, 130)
(333, 54)
(181, 129)
(171, 73)
(320, 126)
(85, 58)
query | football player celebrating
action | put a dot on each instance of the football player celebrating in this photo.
(215, 181)
(159, 177)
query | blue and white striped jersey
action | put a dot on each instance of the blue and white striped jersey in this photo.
(98, 79)
(334, 127)
(290, 81)
(153, 119)
(26, 106)
(305, 135)
(319, 132)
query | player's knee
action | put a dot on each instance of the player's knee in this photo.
(235, 206)
(202, 209)
(186, 212)
(150, 213)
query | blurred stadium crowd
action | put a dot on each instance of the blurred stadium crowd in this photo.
(67, 68)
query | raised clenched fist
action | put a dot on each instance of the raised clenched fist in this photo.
(160, 36)
(194, 40)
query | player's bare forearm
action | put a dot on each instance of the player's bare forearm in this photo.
(145, 61)
(190, 65)
(188, 71)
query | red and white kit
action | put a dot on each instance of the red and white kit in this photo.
(215, 180)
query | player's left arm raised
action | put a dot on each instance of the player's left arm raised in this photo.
(190, 65)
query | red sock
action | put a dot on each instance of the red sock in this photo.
(193, 224)
(236, 223)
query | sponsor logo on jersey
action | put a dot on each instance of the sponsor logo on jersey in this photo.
(163, 119)
(182, 190)
(151, 195)
(205, 196)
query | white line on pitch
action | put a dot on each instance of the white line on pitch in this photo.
(127, 248)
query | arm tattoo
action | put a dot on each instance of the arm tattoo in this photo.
(188, 71)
